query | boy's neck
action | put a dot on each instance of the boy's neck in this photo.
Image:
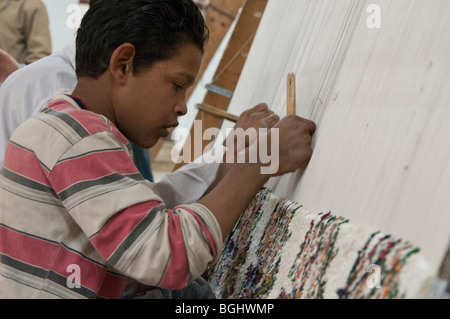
(95, 95)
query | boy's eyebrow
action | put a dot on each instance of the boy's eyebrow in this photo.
(189, 77)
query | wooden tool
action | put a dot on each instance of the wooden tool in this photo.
(211, 110)
(291, 99)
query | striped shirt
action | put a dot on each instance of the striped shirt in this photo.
(77, 220)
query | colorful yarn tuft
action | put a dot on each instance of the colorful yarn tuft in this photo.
(315, 254)
(387, 258)
(236, 277)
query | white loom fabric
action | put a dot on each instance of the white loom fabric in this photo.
(381, 100)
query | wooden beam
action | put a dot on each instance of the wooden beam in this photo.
(230, 67)
(221, 114)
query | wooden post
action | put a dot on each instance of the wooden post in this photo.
(291, 98)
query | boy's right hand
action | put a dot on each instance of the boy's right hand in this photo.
(295, 135)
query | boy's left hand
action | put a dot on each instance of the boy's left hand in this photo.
(257, 117)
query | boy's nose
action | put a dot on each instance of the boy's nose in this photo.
(181, 108)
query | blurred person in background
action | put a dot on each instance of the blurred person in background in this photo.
(24, 34)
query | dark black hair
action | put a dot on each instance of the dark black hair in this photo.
(93, 2)
(156, 28)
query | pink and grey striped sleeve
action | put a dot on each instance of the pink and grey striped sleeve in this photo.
(128, 224)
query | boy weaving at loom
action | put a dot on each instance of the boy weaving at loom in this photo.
(71, 198)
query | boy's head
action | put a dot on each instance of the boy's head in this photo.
(156, 28)
(135, 60)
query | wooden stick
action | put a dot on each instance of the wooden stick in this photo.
(211, 110)
(291, 98)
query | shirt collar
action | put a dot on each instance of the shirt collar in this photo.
(78, 101)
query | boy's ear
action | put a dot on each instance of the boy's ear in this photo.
(121, 62)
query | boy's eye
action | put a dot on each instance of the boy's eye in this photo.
(177, 86)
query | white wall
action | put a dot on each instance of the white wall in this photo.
(64, 18)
